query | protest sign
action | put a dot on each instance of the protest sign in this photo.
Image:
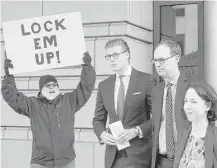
(44, 42)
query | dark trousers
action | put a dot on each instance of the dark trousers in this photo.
(164, 162)
(122, 161)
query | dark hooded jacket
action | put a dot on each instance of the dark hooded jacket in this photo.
(52, 122)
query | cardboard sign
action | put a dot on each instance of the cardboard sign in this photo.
(44, 42)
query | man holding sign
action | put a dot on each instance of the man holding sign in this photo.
(124, 97)
(51, 115)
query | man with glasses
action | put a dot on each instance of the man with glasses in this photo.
(124, 96)
(51, 115)
(168, 119)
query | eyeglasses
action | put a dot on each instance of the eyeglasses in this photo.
(114, 55)
(48, 85)
(161, 60)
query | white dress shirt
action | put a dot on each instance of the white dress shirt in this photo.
(126, 79)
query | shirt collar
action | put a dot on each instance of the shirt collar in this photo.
(126, 73)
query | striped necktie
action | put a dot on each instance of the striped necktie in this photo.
(169, 122)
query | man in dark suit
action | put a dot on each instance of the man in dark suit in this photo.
(169, 121)
(124, 96)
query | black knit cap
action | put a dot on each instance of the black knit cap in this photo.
(46, 79)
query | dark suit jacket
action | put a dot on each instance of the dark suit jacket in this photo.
(180, 117)
(137, 110)
(210, 147)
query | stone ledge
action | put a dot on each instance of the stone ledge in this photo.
(24, 133)
(112, 28)
(26, 84)
(15, 133)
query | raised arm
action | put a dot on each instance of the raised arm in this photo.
(86, 85)
(16, 100)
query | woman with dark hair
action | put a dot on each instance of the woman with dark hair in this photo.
(197, 147)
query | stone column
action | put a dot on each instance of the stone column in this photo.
(210, 43)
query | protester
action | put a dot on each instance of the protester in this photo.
(51, 115)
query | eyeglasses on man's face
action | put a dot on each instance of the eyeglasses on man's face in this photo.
(48, 85)
(114, 55)
(161, 60)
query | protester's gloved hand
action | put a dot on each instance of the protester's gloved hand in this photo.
(7, 65)
(87, 58)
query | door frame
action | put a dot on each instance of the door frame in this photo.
(156, 27)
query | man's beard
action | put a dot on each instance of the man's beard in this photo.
(50, 95)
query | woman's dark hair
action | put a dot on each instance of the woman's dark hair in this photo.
(207, 93)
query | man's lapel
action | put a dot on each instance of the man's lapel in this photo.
(110, 87)
(180, 147)
(209, 142)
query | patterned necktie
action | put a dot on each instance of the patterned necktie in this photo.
(120, 99)
(169, 122)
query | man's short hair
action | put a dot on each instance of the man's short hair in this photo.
(174, 47)
(117, 42)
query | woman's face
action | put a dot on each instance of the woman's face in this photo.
(194, 106)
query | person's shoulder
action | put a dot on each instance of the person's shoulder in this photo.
(144, 75)
(140, 73)
(105, 81)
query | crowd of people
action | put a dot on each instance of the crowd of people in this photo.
(168, 118)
